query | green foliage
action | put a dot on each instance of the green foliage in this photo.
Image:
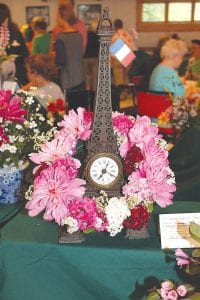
(194, 230)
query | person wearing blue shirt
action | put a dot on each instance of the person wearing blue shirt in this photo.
(164, 77)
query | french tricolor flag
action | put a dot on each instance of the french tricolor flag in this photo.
(122, 52)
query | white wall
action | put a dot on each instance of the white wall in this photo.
(123, 9)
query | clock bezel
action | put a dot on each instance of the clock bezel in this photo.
(101, 155)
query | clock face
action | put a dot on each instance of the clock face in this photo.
(104, 170)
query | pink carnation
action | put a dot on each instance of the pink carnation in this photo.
(182, 258)
(123, 123)
(167, 285)
(172, 295)
(142, 131)
(181, 290)
(85, 211)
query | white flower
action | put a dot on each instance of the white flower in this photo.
(29, 100)
(72, 224)
(12, 138)
(41, 118)
(171, 176)
(8, 147)
(116, 212)
(162, 143)
(21, 139)
(32, 124)
(19, 126)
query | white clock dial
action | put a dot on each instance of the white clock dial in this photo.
(104, 170)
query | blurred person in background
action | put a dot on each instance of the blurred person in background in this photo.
(66, 20)
(164, 77)
(28, 34)
(42, 74)
(12, 43)
(69, 57)
(91, 57)
(42, 39)
(194, 59)
(119, 72)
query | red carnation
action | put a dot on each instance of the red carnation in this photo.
(139, 218)
(56, 106)
(3, 137)
(134, 155)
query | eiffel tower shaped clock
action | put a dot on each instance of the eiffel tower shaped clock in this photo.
(103, 165)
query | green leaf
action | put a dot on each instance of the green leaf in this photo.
(196, 296)
(87, 231)
(153, 296)
(193, 269)
(194, 230)
(196, 253)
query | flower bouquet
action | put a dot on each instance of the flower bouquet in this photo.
(22, 124)
(181, 112)
(59, 192)
(171, 290)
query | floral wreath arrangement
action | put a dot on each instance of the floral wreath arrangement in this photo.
(180, 113)
(23, 125)
(59, 192)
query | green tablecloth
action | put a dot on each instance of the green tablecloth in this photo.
(8, 211)
(34, 266)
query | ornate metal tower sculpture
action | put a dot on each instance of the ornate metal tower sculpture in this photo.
(103, 166)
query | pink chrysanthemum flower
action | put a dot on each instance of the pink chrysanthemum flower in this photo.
(77, 124)
(53, 190)
(56, 149)
(10, 107)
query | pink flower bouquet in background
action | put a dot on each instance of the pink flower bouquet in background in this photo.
(59, 192)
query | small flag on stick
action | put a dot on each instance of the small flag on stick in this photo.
(122, 52)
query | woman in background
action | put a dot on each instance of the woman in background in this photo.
(15, 43)
(164, 77)
(42, 74)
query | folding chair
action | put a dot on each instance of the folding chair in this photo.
(152, 104)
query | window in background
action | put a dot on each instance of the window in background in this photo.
(168, 15)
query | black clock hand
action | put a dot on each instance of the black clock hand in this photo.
(100, 177)
(111, 174)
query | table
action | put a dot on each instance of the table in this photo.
(8, 211)
(34, 266)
